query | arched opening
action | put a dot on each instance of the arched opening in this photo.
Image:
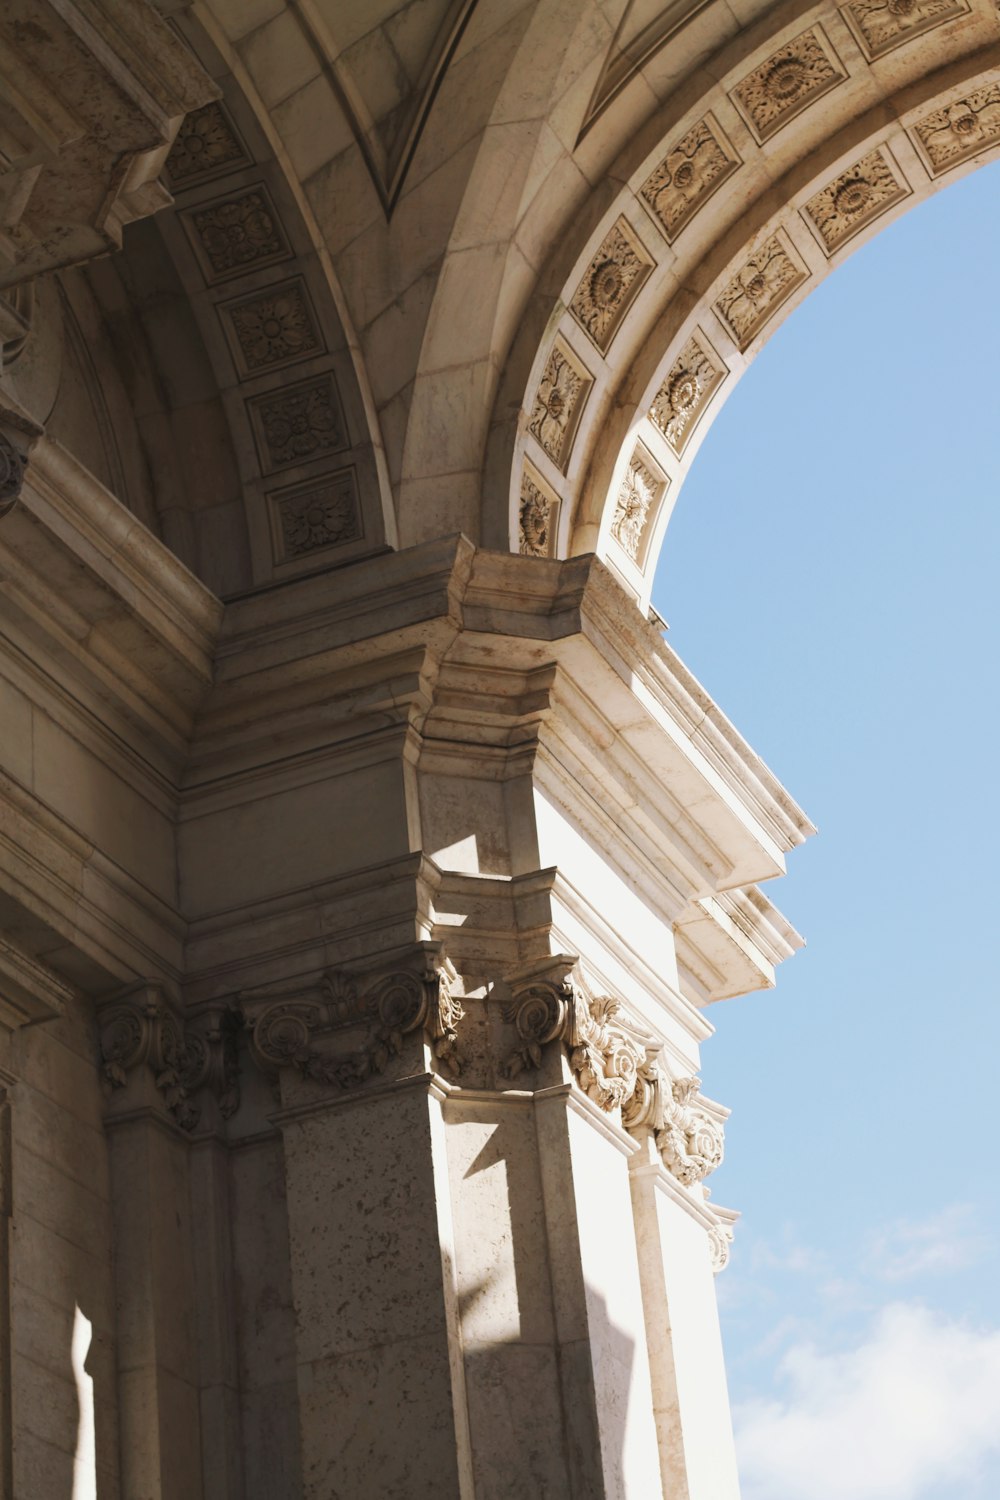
(831, 575)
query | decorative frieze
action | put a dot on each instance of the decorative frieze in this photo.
(694, 167)
(272, 328)
(537, 521)
(759, 288)
(636, 503)
(206, 146)
(851, 201)
(610, 284)
(618, 1068)
(795, 76)
(310, 517)
(558, 403)
(348, 1028)
(960, 130)
(691, 382)
(881, 25)
(237, 234)
(298, 423)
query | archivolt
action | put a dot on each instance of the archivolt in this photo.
(727, 216)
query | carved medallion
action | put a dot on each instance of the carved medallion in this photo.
(692, 380)
(960, 130)
(881, 25)
(689, 174)
(636, 504)
(537, 517)
(206, 146)
(855, 198)
(298, 423)
(273, 327)
(558, 404)
(759, 288)
(237, 235)
(790, 80)
(610, 283)
(312, 517)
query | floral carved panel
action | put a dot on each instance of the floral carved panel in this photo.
(692, 170)
(881, 25)
(237, 235)
(800, 72)
(692, 380)
(298, 423)
(312, 517)
(272, 328)
(639, 495)
(558, 403)
(859, 195)
(537, 520)
(206, 146)
(961, 130)
(610, 284)
(759, 288)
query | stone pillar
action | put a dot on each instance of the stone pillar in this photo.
(148, 1117)
(380, 1376)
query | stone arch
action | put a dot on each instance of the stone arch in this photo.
(722, 223)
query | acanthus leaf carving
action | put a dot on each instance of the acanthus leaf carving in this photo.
(694, 167)
(960, 130)
(610, 284)
(618, 1067)
(558, 403)
(882, 25)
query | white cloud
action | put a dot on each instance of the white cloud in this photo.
(914, 1407)
(947, 1241)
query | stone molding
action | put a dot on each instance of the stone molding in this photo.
(93, 95)
(617, 1066)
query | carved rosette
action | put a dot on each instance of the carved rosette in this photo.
(694, 167)
(791, 78)
(759, 288)
(378, 1012)
(618, 1068)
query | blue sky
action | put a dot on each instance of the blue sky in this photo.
(832, 575)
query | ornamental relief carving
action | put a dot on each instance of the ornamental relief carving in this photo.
(691, 382)
(759, 288)
(311, 517)
(794, 77)
(881, 25)
(618, 1068)
(960, 130)
(141, 1032)
(205, 146)
(537, 522)
(299, 423)
(610, 284)
(698, 164)
(144, 1037)
(855, 198)
(636, 503)
(379, 1012)
(272, 328)
(558, 404)
(239, 234)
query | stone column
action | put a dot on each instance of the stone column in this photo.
(148, 1119)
